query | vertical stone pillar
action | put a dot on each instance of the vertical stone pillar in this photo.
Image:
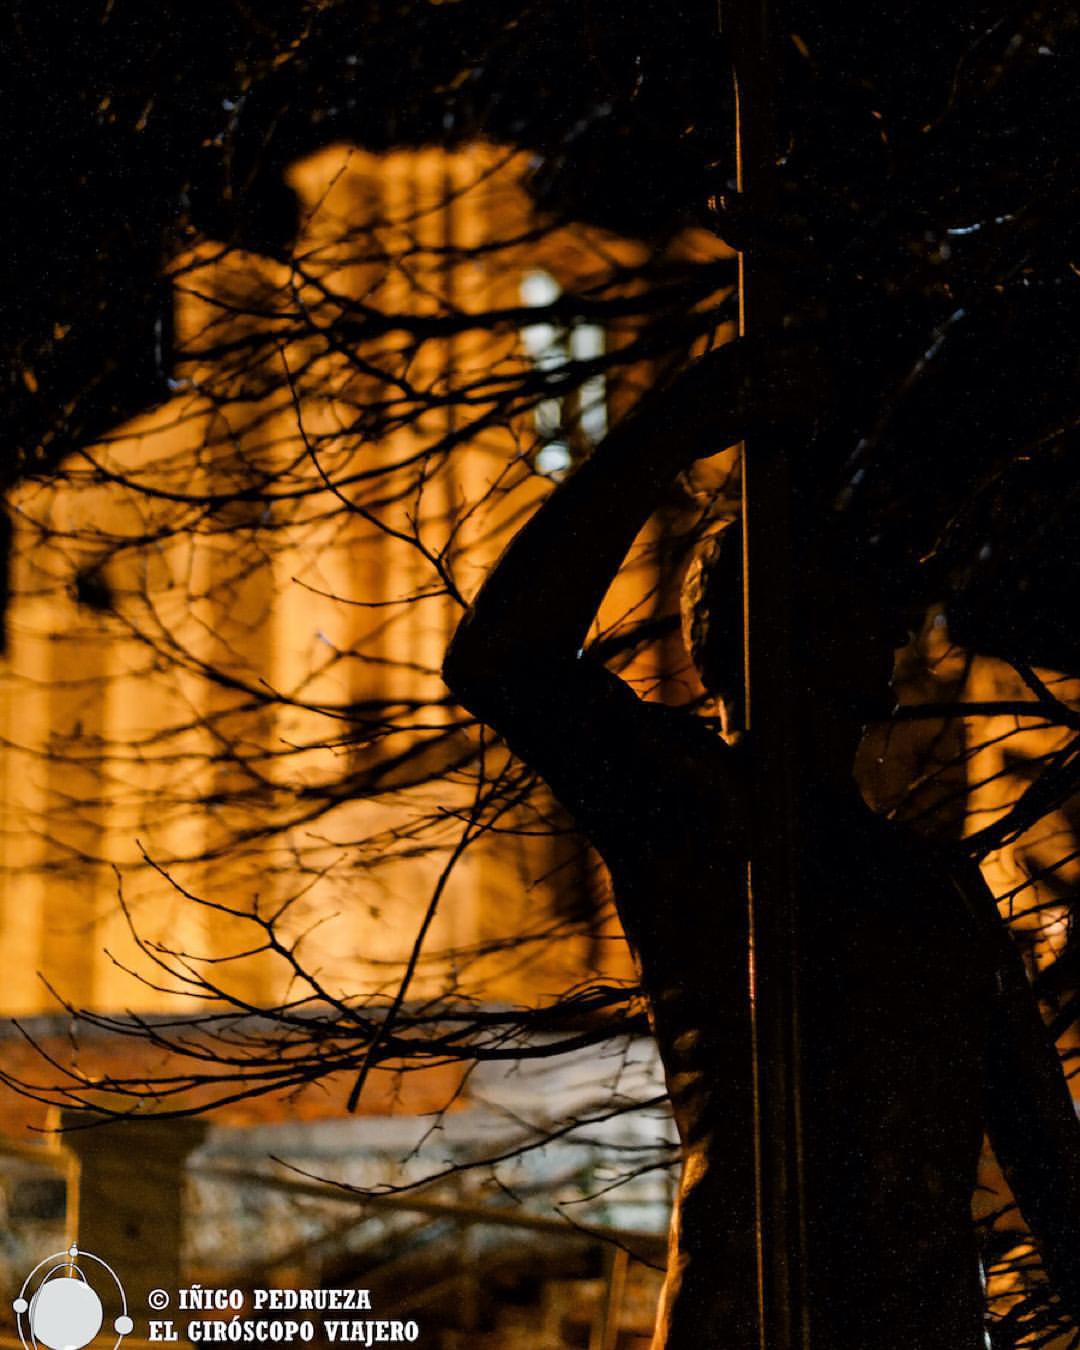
(125, 1200)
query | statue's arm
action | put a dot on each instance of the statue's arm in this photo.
(536, 605)
(629, 771)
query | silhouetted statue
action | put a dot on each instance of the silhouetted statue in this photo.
(919, 1027)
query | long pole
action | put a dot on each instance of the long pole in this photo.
(773, 725)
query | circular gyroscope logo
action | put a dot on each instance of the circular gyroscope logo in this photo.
(57, 1306)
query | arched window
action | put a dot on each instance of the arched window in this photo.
(566, 425)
